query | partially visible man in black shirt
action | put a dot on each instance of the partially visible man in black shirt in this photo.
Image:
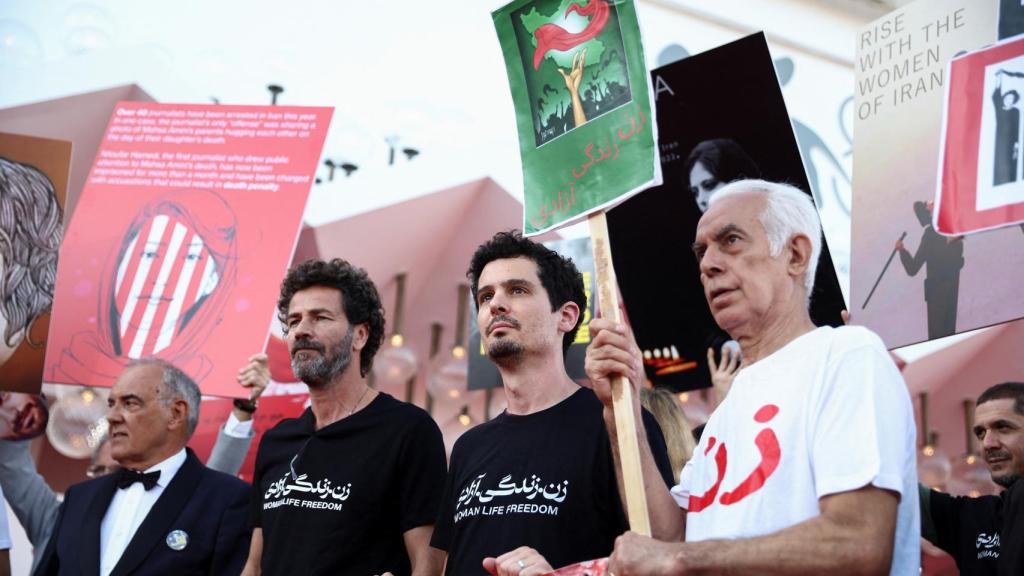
(351, 486)
(534, 488)
(986, 535)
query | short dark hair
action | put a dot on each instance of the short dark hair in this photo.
(559, 275)
(359, 299)
(1007, 390)
(30, 235)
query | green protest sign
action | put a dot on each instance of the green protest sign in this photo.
(583, 107)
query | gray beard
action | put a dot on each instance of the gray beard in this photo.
(321, 370)
(505, 352)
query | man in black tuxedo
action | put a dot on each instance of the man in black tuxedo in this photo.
(164, 512)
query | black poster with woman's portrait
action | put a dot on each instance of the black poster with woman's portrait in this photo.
(721, 117)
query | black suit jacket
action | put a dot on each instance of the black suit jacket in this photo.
(209, 506)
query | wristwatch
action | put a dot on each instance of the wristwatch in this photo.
(248, 406)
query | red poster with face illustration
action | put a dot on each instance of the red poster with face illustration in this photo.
(183, 232)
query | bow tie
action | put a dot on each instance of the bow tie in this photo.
(126, 477)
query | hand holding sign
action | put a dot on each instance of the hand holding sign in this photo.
(523, 561)
(564, 175)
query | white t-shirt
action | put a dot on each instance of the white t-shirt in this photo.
(827, 413)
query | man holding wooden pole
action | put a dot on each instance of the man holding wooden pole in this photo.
(808, 466)
(535, 487)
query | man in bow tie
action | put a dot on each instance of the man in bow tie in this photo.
(164, 512)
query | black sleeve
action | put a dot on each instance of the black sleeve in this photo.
(927, 524)
(1011, 560)
(945, 517)
(422, 480)
(656, 440)
(442, 536)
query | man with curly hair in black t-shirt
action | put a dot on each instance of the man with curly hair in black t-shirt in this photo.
(352, 485)
(535, 487)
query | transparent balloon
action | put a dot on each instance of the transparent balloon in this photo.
(448, 377)
(971, 477)
(394, 365)
(88, 15)
(88, 27)
(83, 40)
(78, 422)
(19, 44)
(933, 467)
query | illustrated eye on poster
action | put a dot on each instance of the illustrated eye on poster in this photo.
(33, 185)
(184, 229)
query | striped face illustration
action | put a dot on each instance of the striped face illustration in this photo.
(164, 275)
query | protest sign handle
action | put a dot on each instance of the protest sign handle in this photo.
(622, 398)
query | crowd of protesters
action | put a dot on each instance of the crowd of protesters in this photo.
(806, 466)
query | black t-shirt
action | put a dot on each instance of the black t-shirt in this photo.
(544, 480)
(338, 500)
(984, 535)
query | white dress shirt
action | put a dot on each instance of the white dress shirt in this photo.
(236, 428)
(128, 509)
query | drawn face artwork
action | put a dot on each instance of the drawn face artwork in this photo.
(164, 276)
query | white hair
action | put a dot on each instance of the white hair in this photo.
(177, 386)
(788, 212)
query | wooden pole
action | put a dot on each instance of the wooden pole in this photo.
(622, 397)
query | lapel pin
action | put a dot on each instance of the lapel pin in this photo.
(177, 540)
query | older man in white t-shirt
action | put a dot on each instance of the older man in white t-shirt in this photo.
(808, 466)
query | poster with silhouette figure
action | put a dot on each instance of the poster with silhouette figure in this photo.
(184, 229)
(583, 106)
(34, 176)
(707, 139)
(916, 272)
(981, 168)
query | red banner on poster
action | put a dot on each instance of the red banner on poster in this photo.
(184, 230)
(214, 413)
(981, 167)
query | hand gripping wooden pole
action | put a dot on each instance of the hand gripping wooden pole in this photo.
(622, 397)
